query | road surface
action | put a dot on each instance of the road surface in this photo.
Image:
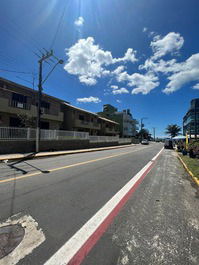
(159, 224)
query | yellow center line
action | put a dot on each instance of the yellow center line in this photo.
(69, 166)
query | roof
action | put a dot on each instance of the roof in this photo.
(89, 112)
(74, 107)
(30, 89)
(108, 120)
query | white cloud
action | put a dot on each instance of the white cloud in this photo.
(87, 80)
(114, 87)
(118, 70)
(121, 90)
(151, 34)
(89, 100)
(170, 43)
(88, 61)
(79, 22)
(130, 56)
(183, 73)
(196, 86)
(144, 29)
(143, 83)
(118, 101)
(178, 74)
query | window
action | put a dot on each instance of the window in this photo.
(19, 98)
(45, 105)
(81, 117)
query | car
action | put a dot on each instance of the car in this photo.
(168, 144)
(144, 141)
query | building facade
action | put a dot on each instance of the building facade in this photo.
(18, 106)
(76, 119)
(191, 119)
(127, 125)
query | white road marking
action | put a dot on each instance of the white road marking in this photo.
(33, 238)
(73, 245)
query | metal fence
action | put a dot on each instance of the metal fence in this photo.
(14, 134)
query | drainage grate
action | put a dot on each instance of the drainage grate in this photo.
(10, 237)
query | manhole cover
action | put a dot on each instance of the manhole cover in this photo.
(10, 238)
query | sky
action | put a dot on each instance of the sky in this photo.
(141, 55)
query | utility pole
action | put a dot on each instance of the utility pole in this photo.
(141, 126)
(154, 133)
(42, 59)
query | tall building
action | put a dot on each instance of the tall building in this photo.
(127, 125)
(191, 119)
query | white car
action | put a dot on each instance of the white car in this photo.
(144, 141)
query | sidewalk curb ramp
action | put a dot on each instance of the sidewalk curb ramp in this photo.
(57, 153)
(195, 179)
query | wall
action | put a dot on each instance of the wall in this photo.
(11, 147)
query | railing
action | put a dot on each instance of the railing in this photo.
(98, 139)
(19, 105)
(14, 134)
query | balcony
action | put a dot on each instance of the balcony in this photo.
(86, 124)
(14, 107)
(19, 105)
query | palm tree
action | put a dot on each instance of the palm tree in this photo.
(173, 130)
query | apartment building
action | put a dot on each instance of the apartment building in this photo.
(127, 125)
(18, 105)
(18, 108)
(77, 119)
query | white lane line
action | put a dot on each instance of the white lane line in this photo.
(75, 243)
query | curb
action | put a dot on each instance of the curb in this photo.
(58, 153)
(195, 179)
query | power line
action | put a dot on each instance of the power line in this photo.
(13, 71)
(58, 27)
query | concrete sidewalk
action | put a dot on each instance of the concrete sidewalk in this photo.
(57, 153)
(159, 225)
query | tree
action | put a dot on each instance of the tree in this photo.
(144, 134)
(173, 130)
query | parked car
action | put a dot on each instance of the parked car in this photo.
(168, 144)
(144, 141)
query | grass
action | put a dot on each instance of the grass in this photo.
(192, 164)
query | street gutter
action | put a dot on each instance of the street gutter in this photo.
(195, 179)
(57, 153)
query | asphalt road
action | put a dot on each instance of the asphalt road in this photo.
(63, 193)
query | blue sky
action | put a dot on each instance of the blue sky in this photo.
(137, 54)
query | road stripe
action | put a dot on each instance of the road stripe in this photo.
(78, 246)
(68, 166)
